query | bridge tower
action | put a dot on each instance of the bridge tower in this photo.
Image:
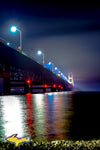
(70, 78)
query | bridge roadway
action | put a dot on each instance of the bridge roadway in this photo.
(20, 73)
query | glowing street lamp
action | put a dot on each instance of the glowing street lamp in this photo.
(8, 44)
(52, 65)
(39, 52)
(55, 68)
(49, 63)
(14, 29)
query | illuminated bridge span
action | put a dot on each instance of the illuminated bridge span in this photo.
(21, 74)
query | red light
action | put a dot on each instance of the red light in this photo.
(3, 69)
(59, 86)
(45, 85)
(54, 86)
(28, 81)
(69, 86)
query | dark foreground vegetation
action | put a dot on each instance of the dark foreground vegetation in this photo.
(53, 145)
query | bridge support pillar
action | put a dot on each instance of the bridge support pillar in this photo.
(6, 86)
(53, 89)
(44, 90)
(27, 88)
(59, 90)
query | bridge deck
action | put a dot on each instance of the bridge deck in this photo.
(13, 58)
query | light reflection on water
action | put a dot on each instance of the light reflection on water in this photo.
(34, 115)
(51, 116)
(12, 115)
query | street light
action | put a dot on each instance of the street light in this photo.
(8, 44)
(49, 63)
(39, 52)
(55, 68)
(14, 29)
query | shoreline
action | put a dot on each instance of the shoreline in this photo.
(53, 145)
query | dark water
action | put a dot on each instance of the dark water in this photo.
(52, 116)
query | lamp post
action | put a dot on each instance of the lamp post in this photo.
(52, 67)
(14, 29)
(56, 70)
(39, 52)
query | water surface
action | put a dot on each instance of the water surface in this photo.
(51, 116)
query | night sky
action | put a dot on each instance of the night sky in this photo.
(68, 34)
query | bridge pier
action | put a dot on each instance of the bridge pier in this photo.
(53, 89)
(4, 83)
(44, 90)
(27, 88)
(6, 86)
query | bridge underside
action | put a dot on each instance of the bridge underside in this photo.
(21, 74)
